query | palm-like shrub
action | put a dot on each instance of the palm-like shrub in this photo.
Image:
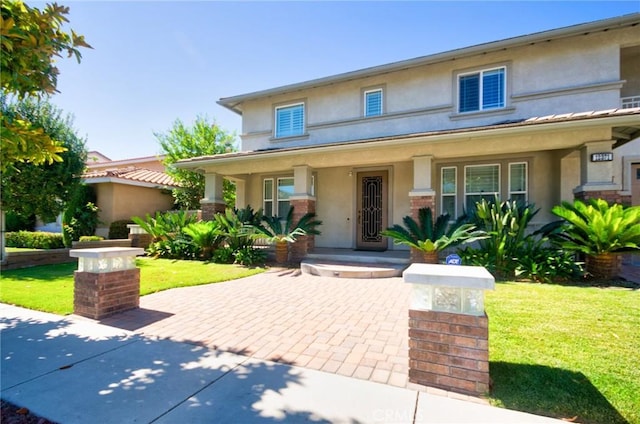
(284, 231)
(599, 231)
(431, 237)
(168, 240)
(206, 235)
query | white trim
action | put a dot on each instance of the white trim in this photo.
(480, 72)
(464, 201)
(364, 99)
(132, 161)
(455, 190)
(285, 106)
(264, 198)
(526, 181)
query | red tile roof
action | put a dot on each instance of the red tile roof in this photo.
(133, 174)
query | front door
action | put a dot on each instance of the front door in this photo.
(372, 210)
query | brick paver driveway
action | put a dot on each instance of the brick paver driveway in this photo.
(353, 327)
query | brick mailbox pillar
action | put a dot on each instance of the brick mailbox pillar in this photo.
(138, 236)
(448, 327)
(106, 282)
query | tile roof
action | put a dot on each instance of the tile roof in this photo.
(133, 174)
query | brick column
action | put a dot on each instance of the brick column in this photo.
(97, 296)
(303, 244)
(611, 196)
(449, 351)
(417, 203)
(209, 209)
(448, 327)
(106, 282)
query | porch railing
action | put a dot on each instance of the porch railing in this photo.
(630, 102)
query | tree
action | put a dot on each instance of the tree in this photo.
(43, 190)
(183, 142)
(31, 39)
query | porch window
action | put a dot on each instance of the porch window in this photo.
(448, 189)
(518, 182)
(267, 197)
(481, 90)
(481, 182)
(373, 102)
(289, 120)
(285, 191)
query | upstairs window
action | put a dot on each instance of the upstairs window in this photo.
(373, 102)
(483, 90)
(289, 120)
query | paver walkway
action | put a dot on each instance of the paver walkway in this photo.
(352, 327)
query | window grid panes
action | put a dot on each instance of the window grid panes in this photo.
(290, 120)
(481, 182)
(518, 182)
(373, 103)
(267, 200)
(285, 191)
(448, 191)
(481, 90)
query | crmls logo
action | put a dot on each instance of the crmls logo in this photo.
(395, 416)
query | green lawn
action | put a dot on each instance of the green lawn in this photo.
(566, 351)
(49, 288)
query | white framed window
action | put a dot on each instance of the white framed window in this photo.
(518, 182)
(482, 90)
(448, 191)
(373, 102)
(285, 191)
(267, 197)
(480, 182)
(289, 120)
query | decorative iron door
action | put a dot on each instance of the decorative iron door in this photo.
(372, 210)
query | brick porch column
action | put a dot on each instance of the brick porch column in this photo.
(448, 327)
(210, 209)
(597, 176)
(419, 200)
(213, 201)
(106, 282)
(303, 244)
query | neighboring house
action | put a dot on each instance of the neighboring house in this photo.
(126, 188)
(532, 118)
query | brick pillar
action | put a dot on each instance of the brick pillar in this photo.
(303, 244)
(209, 209)
(611, 196)
(98, 295)
(417, 203)
(140, 240)
(449, 351)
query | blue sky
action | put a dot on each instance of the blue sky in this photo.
(154, 62)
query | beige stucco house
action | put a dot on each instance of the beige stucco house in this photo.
(129, 187)
(534, 118)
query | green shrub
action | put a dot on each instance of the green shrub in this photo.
(118, 229)
(16, 222)
(34, 240)
(90, 238)
(250, 256)
(223, 255)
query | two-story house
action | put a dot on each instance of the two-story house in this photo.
(532, 118)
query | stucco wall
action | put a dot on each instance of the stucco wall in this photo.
(566, 75)
(120, 201)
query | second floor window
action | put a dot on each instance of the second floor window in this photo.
(289, 120)
(481, 90)
(373, 102)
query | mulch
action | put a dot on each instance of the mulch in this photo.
(13, 414)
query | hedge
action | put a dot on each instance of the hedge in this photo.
(118, 229)
(34, 240)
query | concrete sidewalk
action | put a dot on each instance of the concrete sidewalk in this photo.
(73, 370)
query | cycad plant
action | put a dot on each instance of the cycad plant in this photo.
(283, 231)
(206, 235)
(431, 237)
(599, 231)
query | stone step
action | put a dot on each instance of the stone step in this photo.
(338, 269)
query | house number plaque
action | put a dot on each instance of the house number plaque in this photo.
(602, 157)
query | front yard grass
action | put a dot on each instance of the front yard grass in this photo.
(49, 288)
(566, 351)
